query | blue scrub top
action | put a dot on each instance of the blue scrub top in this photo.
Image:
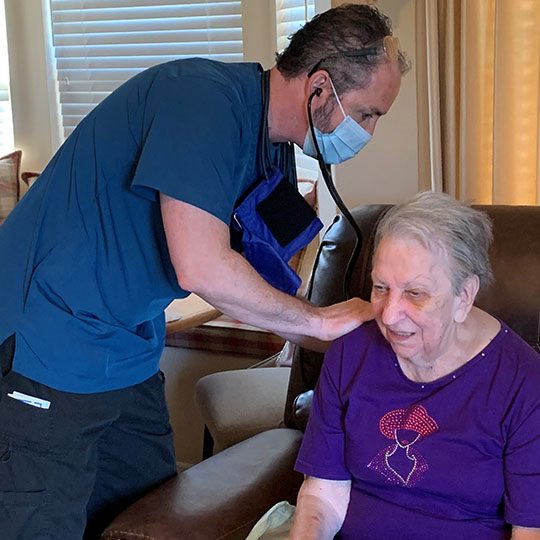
(85, 272)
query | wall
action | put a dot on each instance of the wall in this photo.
(33, 113)
(259, 36)
(386, 170)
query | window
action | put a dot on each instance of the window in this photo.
(99, 44)
(290, 16)
(6, 120)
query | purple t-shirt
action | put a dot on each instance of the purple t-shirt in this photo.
(455, 458)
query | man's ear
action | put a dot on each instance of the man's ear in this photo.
(318, 81)
(466, 297)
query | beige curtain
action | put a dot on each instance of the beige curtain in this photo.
(478, 95)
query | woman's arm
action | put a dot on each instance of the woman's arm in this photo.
(525, 533)
(321, 509)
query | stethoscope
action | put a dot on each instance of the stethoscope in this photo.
(327, 176)
(390, 46)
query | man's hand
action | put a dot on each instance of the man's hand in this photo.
(338, 319)
(344, 317)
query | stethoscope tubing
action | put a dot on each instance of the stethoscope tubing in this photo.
(328, 180)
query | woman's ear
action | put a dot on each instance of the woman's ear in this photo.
(465, 299)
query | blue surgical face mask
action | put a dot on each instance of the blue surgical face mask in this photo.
(342, 144)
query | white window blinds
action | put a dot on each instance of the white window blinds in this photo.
(290, 16)
(6, 119)
(99, 44)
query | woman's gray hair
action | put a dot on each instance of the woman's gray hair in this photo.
(437, 221)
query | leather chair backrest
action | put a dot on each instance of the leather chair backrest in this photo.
(514, 297)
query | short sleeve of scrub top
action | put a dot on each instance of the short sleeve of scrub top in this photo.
(192, 144)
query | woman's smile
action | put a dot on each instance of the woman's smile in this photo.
(398, 335)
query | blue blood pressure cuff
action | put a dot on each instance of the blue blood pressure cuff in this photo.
(275, 222)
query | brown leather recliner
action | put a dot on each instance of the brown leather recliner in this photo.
(223, 497)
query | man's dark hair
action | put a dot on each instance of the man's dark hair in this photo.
(329, 42)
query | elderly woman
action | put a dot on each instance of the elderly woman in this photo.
(426, 422)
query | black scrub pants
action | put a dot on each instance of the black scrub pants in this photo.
(66, 471)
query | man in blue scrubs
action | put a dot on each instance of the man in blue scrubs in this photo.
(133, 211)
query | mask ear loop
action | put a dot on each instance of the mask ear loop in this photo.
(327, 176)
(337, 97)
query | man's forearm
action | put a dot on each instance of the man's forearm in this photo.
(236, 289)
(205, 264)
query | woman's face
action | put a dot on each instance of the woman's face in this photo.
(413, 300)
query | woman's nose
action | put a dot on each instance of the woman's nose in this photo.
(392, 311)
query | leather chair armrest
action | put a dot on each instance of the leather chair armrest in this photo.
(238, 404)
(221, 497)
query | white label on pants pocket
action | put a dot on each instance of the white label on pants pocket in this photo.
(30, 400)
